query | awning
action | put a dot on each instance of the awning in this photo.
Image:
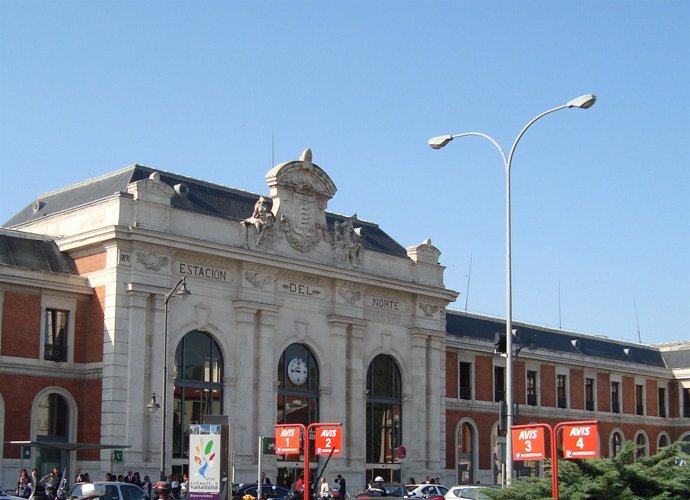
(67, 446)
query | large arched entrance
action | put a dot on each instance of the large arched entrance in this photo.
(298, 403)
(384, 418)
(198, 389)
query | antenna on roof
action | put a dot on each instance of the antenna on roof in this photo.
(467, 291)
(560, 326)
(637, 318)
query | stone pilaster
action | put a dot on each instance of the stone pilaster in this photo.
(243, 410)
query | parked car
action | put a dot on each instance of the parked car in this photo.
(268, 491)
(113, 491)
(425, 490)
(4, 495)
(389, 490)
(463, 491)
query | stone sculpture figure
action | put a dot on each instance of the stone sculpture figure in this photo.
(262, 219)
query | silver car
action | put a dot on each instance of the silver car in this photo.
(463, 491)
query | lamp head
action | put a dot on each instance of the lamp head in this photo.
(583, 102)
(153, 404)
(440, 141)
(182, 290)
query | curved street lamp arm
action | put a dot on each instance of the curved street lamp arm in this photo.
(524, 129)
(488, 138)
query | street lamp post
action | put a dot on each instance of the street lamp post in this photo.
(179, 290)
(582, 102)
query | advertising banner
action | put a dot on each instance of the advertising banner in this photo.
(204, 462)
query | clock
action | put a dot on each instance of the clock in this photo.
(297, 371)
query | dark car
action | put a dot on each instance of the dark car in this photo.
(268, 491)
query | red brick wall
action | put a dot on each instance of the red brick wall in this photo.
(628, 396)
(603, 392)
(88, 334)
(484, 378)
(547, 377)
(577, 389)
(21, 324)
(518, 382)
(652, 398)
(90, 263)
(451, 374)
(673, 401)
(22, 390)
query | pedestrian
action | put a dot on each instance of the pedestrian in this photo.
(324, 489)
(146, 485)
(23, 484)
(343, 486)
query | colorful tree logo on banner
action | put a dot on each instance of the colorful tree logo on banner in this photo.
(204, 455)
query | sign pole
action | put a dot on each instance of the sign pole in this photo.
(259, 486)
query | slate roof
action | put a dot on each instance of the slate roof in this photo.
(461, 324)
(676, 354)
(29, 252)
(203, 197)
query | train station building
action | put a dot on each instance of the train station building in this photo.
(145, 290)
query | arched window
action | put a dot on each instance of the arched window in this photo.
(641, 443)
(52, 424)
(384, 414)
(685, 443)
(616, 443)
(298, 394)
(662, 442)
(198, 386)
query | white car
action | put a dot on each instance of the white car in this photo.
(463, 491)
(425, 490)
(112, 490)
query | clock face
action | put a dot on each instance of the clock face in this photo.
(297, 371)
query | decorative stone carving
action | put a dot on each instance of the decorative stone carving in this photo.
(300, 191)
(257, 280)
(428, 309)
(347, 241)
(350, 296)
(152, 261)
(262, 220)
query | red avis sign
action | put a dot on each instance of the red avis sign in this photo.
(328, 441)
(528, 443)
(580, 441)
(287, 440)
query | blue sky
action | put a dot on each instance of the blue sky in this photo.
(223, 90)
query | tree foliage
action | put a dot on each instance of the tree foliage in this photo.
(664, 476)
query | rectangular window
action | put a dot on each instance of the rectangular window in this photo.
(589, 394)
(662, 401)
(615, 397)
(531, 388)
(561, 390)
(686, 403)
(499, 383)
(639, 399)
(465, 382)
(55, 336)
